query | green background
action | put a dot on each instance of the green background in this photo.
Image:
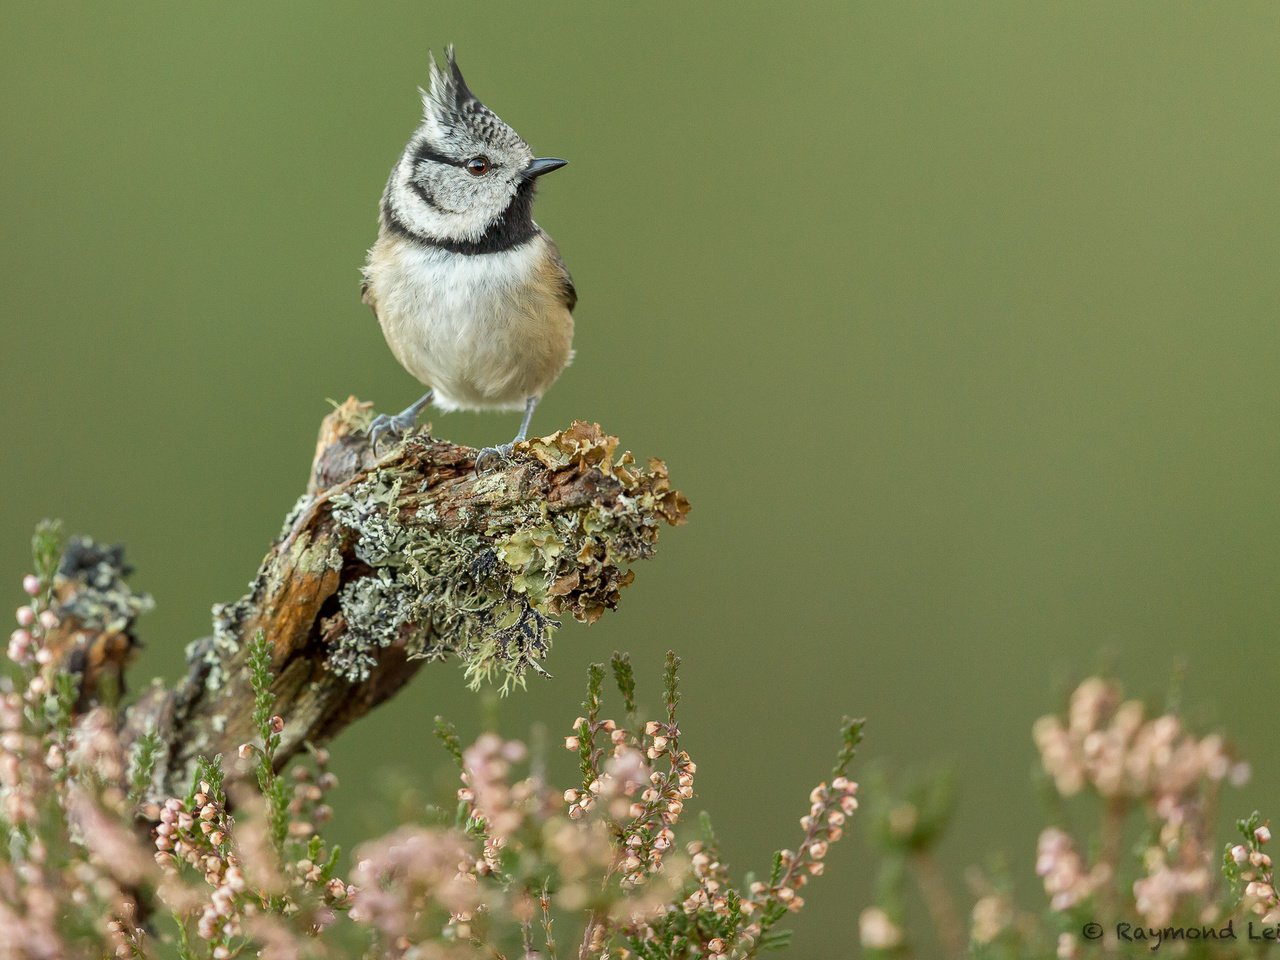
(956, 322)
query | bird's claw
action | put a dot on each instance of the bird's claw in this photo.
(489, 454)
(395, 426)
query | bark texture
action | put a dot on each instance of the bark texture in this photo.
(384, 564)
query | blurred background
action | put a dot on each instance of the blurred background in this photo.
(956, 322)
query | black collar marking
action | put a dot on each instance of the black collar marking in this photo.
(513, 228)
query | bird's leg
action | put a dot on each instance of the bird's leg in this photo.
(529, 406)
(504, 450)
(397, 426)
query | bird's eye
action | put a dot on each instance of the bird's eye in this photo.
(478, 166)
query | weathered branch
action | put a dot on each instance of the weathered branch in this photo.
(383, 565)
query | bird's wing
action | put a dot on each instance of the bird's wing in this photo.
(568, 292)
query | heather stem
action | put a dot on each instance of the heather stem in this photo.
(1112, 842)
(939, 902)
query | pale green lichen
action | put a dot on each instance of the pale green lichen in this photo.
(490, 590)
(442, 591)
(101, 600)
(375, 613)
(531, 553)
(216, 651)
(294, 513)
(370, 510)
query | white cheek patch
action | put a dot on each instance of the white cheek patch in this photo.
(458, 210)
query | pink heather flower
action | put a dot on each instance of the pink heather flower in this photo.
(31, 584)
(48, 619)
(1262, 834)
(25, 616)
(877, 931)
(277, 724)
(1239, 854)
(20, 646)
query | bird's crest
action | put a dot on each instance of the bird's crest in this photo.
(450, 107)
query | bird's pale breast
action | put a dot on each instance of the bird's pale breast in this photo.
(485, 331)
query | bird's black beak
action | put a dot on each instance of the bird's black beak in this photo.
(542, 165)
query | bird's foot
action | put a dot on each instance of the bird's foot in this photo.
(385, 424)
(491, 456)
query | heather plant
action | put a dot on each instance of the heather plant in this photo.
(1130, 855)
(100, 865)
(102, 861)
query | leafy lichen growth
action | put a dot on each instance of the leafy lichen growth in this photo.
(102, 600)
(433, 587)
(489, 584)
(375, 611)
(214, 652)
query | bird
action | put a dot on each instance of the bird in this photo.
(471, 294)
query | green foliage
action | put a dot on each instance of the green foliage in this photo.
(850, 737)
(671, 685)
(142, 763)
(624, 677)
(595, 683)
(447, 734)
(46, 550)
(274, 789)
(60, 707)
(207, 779)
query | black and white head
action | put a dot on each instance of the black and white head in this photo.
(465, 180)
